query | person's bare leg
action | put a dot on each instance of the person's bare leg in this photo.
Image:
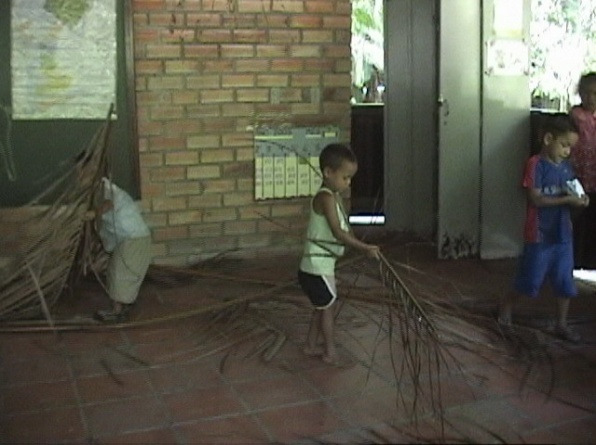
(116, 307)
(506, 307)
(328, 330)
(311, 347)
(562, 329)
(562, 312)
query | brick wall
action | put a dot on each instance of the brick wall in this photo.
(207, 73)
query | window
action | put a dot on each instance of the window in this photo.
(368, 83)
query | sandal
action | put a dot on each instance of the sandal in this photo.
(568, 334)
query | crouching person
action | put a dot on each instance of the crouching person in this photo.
(126, 237)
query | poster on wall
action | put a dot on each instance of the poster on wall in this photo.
(63, 58)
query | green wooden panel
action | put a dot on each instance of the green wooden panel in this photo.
(44, 148)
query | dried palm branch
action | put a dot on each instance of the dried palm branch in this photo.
(48, 238)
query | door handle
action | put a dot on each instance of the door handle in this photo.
(443, 103)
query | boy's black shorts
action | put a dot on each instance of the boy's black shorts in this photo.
(320, 289)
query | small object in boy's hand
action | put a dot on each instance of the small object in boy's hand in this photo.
(575, 188)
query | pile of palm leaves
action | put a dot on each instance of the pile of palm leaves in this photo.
(44, 241)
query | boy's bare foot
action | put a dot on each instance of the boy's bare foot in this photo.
(317, 351)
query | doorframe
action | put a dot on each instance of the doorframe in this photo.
(410, 147)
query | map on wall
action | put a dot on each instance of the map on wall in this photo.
(63, 58)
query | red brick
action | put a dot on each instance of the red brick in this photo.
(249, 35)
(170, 233)
(238, 109)
(239, 50)
(184, 188)
(203, 172)
(237, 80)
(306, 21)
(331, 21)
(258, 6)
(216, 5)
(200, 51)
(272, 80)
(214, 36)
(253, 95)
(220, 215)
(271, 51)
(203, 81)
(163, 51)
(148, 5)
(288, 5)
(167, 143)
(287, 65)
(319, 6)
(284, 36)
(184, 218)
(181, 127)
(273, 21)
(182, 158)
(217, 96)
(240, 227)
(219, 185)
(305, 80)
(166, 19)
(181, 66)
(317, 36)
(165, 174)
(185, 97)
(305, 51)
(164, 204)
(217, 156)
(203, 20)
(252, 66)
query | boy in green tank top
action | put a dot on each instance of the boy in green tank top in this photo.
(328, 233)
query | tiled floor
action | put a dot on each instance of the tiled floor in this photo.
(179, 374)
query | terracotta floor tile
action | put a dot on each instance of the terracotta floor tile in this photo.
(38, 396)
(580, 431)
(185, 376)
(489, 416)
(17, 347)
(276, 391)
(239, 368)
(238, 429)
(106, 360)
(370, 407)
(331, 381)
(37, 369)
(76, 342)
(128, 415)
(114, 386)
(56, 425)
(202, 403)
(157, 334)
(305, 421)
(154, 436)
(168, 351)
(544, 410)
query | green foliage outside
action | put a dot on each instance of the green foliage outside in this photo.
(562, 48)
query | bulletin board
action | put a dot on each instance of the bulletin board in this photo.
(287, 160)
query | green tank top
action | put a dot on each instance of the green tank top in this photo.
(321, 248)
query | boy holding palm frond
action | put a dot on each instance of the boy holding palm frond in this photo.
(327, 235)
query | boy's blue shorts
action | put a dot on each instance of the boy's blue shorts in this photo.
(540, 261)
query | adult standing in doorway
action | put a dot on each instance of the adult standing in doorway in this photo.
(583, 155)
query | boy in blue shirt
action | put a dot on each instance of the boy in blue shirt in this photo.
(548, 233)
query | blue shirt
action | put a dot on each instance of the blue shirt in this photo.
(547, 224)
